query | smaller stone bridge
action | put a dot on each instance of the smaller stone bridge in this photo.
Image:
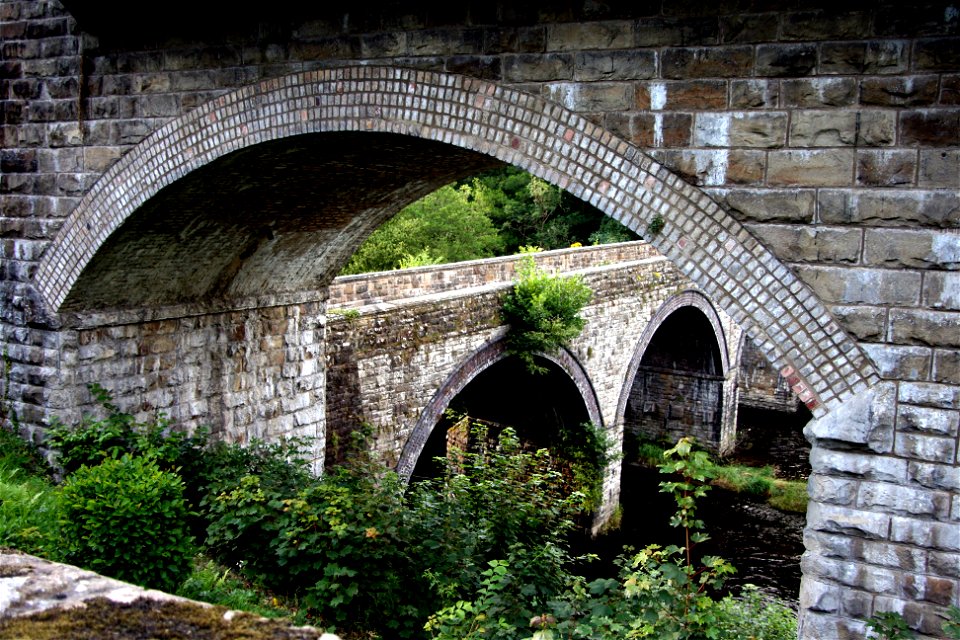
(401, 345)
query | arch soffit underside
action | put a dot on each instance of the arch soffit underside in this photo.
(776, 310)
(685, 299)
(482, 359)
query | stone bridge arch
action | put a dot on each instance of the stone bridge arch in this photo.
(481, 360)
(726, 337)
(775, 308)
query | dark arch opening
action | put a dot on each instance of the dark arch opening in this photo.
(279, 217)
(540, 408)
(678, 389)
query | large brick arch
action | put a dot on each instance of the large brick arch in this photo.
(481, 360)
(780, 314)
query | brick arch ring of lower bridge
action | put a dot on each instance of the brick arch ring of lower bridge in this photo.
(729, 340)
(481, 360)
(782, 316)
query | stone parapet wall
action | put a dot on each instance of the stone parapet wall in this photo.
(372, 288)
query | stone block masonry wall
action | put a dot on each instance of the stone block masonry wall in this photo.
(667, 405)
(259, 371)
(761, 385)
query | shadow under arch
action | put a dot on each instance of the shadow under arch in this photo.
(481, 360)
(725, 356)
(779, 313)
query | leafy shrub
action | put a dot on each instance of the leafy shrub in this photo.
(92, 441)
(498, 504)
(333, 544)
(127, 518)
(543, 312)
(754, 616)
(889, 625)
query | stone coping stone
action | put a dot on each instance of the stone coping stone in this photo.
(40, 599)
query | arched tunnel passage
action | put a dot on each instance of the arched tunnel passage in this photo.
(678, 387)
(542, 408)
(272, 219)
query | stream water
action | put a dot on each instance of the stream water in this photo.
(763, 543)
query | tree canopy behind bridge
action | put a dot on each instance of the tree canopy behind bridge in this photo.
(488, 215)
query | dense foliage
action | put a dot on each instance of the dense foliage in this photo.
(127, 519)
(495, 213)
(543, 312)
(481, 551)
(449, 225)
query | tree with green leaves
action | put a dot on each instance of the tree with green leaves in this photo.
(449, 225)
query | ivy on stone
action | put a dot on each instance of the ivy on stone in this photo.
(542, 311)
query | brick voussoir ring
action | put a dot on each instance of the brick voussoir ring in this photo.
(544, 138)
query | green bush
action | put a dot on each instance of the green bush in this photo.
(127, 518)
(543, 312)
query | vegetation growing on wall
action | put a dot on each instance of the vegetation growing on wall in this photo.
(543, 312)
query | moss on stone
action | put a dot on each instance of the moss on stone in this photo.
(103, 619)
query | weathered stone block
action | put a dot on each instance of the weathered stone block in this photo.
(917, 250)
(862, 322)
(716, 167)
(819, 92)
(900, 91)
(942, 54)
(823, 128)
(598, 96)
(819, 596)
(895, 498)
(923, 533)
(886, 168)
(754, 94)
(824, 25)
(810, 244)
(867, 419)
(835, 519)
(662, 130)
(890, 208)
(930, 395)
(858, 465)
(930, 127)
(914, 326)
(538, 68)
(939, 168)
(835, 491)
(826, 168)
(744, 129)
(862, 286)
(711, 62)
(940, 422)
(781, 205)
(898, 362)
(693, 95)
(786, 60)
(928, 448)
(615, 65)
(939, 477)
(946, 366)
(671, 31)
(842, 57)
(747, 28)
(614, 34)
(950, 89)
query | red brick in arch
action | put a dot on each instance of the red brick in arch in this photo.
(484, 358)
(782, 316)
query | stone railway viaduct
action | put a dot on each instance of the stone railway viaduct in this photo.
(178, 192)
